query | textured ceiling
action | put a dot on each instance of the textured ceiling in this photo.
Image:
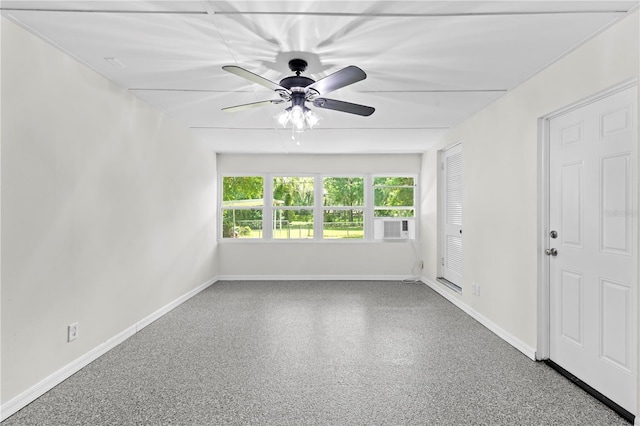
(429, 64)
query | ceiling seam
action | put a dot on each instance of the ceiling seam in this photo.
(323, 128)
(153, 89)
(436, 91)
(331, 14)
(153, 12)
(422, 15)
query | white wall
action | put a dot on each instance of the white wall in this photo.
(108, 210)
(500, 166)
(303, 259)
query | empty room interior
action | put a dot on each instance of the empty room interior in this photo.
(319, 212)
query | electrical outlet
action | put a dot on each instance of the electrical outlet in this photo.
(72, 332)
(475, 289)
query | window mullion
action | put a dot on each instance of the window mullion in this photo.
(368, 207)
(318, 201)
(267, 213)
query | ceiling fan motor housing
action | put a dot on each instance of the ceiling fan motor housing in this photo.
(296, 81)
(298, 99)
(298, 66)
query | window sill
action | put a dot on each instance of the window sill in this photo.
(309, 241)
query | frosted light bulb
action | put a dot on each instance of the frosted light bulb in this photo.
(297, 116)
(312, 118)
(283, 118)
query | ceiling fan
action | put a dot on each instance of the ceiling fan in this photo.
(300, 89)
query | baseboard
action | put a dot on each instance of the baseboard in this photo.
(172, 305)
(503, 334)
(315, 278)
(37, 390)
(34, 392)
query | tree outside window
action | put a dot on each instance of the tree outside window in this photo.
(242, 206)
(394, 196)
(343, 207)
(293, 203)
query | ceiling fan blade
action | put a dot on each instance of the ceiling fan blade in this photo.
(343, 106)
(253, 77)
(251, 105)
(338, 79)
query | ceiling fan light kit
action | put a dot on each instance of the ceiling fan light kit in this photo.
(299, 117)
(299, 89)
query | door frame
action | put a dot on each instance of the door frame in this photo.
(441, 194)
(543, 213)
(543, 296)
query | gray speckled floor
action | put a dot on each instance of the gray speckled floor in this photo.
(315, 352)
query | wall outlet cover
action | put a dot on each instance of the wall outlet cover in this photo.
(72, 332)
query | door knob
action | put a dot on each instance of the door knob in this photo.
(553, 234)
(551, 252)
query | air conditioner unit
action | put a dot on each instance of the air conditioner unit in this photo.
(394, 229)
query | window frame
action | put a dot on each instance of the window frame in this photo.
(363, 207)
(414, 187)
(221, 208)
(268, 209)
(274, 208)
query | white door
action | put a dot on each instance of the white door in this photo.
(593, 278)
(452, 215)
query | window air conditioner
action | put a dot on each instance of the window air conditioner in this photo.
(394, 229)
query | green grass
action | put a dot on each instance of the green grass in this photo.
(351, 233)
(306, 232)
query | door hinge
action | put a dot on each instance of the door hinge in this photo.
(442, 261)
(442, 166)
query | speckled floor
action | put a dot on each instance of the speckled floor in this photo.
(315, 353)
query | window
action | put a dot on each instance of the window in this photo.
(242, 206)
(313, 207)
(293, 201)
(394, 196)
(343, 207)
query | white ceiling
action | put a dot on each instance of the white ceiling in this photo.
(430, 64)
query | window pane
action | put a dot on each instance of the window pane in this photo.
(343, 192)
(393, 181)
(343, 224)
(241, 223)
(240, 190)
(389, 196)
(293, 224)
(393, 213)
(293, 191)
